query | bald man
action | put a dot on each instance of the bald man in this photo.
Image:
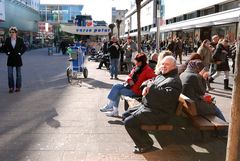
(159, 103)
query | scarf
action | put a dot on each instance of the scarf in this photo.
(138, 70)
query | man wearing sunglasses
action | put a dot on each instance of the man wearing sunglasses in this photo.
(14, 47)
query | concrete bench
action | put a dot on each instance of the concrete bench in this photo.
(187, 108)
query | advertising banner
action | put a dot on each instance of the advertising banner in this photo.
(2, 10)
(83, 30)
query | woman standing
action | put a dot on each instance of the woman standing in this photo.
(14, 47)
(220, 57)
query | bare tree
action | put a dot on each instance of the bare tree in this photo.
(138, 6)
(118, 22)
(234, 126)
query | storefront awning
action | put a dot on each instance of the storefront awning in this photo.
(225, 17)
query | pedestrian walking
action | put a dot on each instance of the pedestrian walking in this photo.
(14, 47)
(220, 57)
(114, 50)
(178, 50)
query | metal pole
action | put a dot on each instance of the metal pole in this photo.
(58, 14)
(46, 13)
(158, 28)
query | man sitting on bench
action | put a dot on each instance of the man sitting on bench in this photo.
(159, 103)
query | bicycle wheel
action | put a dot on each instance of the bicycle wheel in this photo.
(85, 73)
(69, 75)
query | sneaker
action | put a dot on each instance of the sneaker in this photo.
(10, 90)
(17, 90)
(112, 114)
(106, 109)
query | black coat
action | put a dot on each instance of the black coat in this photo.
(219, 55)
(14, 54)
(194, 87)
(160, 104)
(114, 50)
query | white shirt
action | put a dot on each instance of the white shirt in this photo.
(13, 42)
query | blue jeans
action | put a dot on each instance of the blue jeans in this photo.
(11, 78)
(114, 67)
(219, 114)
(118, 90)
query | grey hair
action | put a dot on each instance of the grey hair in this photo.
(168, 57)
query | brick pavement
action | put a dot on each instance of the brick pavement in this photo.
(51, 120)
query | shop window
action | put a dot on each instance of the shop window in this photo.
(207, 11)
(178, 19)
(192, 15)
(229, 5)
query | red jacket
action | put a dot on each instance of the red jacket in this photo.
(147, 73)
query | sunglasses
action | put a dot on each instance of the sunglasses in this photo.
(12, 32)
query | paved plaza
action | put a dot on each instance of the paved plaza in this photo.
(52, 120)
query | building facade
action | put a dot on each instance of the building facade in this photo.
(59, 13)
(203, 21)
(26, 22)
(198, 22)
(118, 15)
(148, 18)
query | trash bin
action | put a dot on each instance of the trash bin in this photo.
(50, 51)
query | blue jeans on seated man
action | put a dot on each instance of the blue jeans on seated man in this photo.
(11, 77)
(114, 97)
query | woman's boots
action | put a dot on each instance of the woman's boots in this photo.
(226, 83)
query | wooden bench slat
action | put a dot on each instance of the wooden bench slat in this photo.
(218, 123)
(202, 123)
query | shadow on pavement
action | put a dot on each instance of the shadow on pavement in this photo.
(18, 142)
(96, 83)
(188, 145)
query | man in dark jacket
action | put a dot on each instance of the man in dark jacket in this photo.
(114, 50)
(14, 47)
(159, 103)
